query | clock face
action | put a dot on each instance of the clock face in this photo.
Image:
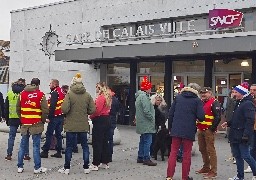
(50, 43)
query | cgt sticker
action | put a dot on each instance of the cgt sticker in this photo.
(224, 18)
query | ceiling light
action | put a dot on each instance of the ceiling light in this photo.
(245, 63)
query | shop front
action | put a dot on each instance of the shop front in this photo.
(213, 50)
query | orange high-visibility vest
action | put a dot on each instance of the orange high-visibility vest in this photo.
(208, 116)
(30, 103)
(61, 97)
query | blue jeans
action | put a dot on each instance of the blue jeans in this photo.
(36, 150)
(241, 152)
(12, 135)
(55, 124)
(144, 146)
(70, 141)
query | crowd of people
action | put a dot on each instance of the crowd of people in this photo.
(68, 109)
(194, 111)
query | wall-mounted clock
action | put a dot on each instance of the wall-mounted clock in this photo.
(50, 42)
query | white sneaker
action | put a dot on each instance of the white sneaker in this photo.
(104, 166)
(20, 170)
(40, 170)
(235, 178)
(248, 170)
(234, 162)
(93, 168)
(63, 171)
(87, 171)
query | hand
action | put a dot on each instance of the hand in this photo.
(224, 125)
(47, 120)
(134, 121)
(245, 139)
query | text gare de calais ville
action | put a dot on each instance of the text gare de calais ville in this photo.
(218, 18)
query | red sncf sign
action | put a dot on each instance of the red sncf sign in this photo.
(224, 18)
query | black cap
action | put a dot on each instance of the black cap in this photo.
(35, 81)
(206, 89)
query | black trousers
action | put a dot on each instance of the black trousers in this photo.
(100, 134)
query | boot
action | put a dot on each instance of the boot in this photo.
(149, 163)
(57, 155)
(44, 154)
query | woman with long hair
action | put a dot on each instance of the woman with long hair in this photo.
(101, 124)
(160, 113)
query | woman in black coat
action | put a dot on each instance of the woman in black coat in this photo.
(160, 113)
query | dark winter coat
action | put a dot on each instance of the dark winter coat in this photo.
(16, 88)
(231, 103)
(2, 114)
(186, 109)
(159, 117)
(241, 124)
(114, 110)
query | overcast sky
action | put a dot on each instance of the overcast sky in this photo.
(9, 5)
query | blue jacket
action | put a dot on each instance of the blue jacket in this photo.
(186, 109)
(242, 120)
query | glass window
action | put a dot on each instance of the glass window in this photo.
(151, 67)
(188, 66)
(230, 65)
(119, 68)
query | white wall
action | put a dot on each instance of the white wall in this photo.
(28, 26)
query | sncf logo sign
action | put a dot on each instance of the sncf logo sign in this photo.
(224, 18)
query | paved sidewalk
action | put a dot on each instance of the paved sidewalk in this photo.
(124, 164)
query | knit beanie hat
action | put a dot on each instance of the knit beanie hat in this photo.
(243, 89)
(145, 84)
(76, 79)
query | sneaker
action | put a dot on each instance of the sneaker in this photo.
(63, 171)
(248, 170)
(190, 178)
(8, 158)
(27, 158)
(57, 155)
(203, 171)
(210, 175)
(44, 154)
(234, 161)
(254, 178)
(104, 166)
(20, 170)
(235, 178)
(40, 170)
(149, 163)
(93, 167)
(87, 171)
(168, 178)
(139, 160)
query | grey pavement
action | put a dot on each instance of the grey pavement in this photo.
(124, 164)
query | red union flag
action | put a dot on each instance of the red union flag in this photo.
(223, 18)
